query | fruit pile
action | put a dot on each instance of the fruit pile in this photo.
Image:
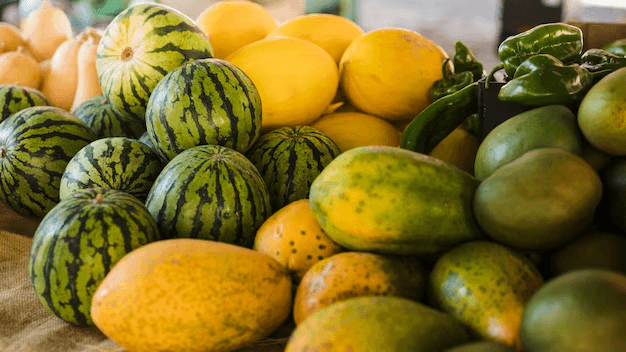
(202, 183)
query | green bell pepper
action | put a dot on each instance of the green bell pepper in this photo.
(450, 83)
(601, 62)
(465, 60)
(544, 80)
(561, 40)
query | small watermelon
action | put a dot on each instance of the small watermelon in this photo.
(14, 98)
(207, 101)
(145, 139)
(78, 242)
(105, 121)
(139, 47)
(120, 163)
(36, 144)
(289, 159)
(210, 192)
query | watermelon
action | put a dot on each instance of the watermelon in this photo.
(145, 139)
(289, 159)
(100, 116)
(139, 47)
(78, 242)
(14, 98)
(36, 144)
(208, 101)
(120, 163)
(210, 192)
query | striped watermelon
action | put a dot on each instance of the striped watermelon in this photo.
(36, 144)
(78, 242)
(210, 192)
(207, 101)
(100, 116)
(120, 163)
(289, 159)
(140, 46)
(14, 98)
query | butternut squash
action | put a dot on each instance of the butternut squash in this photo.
(10, 37)
(18, 67)
(59, 84)
(88, 85)
(45, 29)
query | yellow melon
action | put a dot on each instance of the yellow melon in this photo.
(233, 24)
(387, 72)
(296, 79)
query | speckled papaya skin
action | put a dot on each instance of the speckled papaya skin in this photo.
(355, 274)
(390, 200)
(486, 286)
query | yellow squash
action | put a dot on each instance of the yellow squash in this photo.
(10, 37)
(18, 67)
(45, 29)
(87, 85)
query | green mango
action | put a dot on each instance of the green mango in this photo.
(539, 201)
(482, 346)
(547, 126)
(581, 311)
(593, 250)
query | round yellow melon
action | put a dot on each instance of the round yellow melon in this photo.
(355, 129)
(459, 148)
(294, 238)
(331, 32)
(296, 79)
(233, 24)
(387, 72)
(192, 295)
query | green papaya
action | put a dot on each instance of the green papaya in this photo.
(391, 200)
(539, 201)
(485, 285)
(547, 126)
(580, 311)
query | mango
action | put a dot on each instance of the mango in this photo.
(485, 285)
(192, 295)
(377, 323)
(581, 311)
(539, 201)
(353, 274)
(481, 346)
(543, 127)
(390, 200)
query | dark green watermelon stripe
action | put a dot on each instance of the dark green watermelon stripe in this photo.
(244, 82)
(227, 106)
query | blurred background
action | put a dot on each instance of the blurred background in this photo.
(479, 24)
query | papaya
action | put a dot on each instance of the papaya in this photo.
(539, 201)
(543, 127)
(353, 274)
(580, 311)
(390, 200)
(295, 239)
(377, 323)
(485, 285)
(601, 114)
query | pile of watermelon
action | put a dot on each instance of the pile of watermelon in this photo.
(173, 148)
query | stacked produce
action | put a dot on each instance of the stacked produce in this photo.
(201, 184)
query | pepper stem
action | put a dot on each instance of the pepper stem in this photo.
(3, 151)
(445, 72)
(492, 72)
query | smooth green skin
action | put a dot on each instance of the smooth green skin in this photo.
(547, 126)
(465, 60)
(483, 346)
(541, 200)
(581, 311)
(617, 47)
(602, 112)
(377, 323)
(390, 200)
(595, 250)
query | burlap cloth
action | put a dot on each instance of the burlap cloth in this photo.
(26, 326)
